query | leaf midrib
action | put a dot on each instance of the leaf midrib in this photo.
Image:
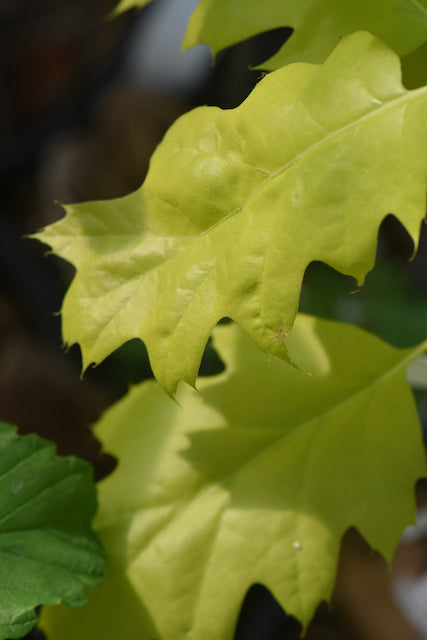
(408, 96)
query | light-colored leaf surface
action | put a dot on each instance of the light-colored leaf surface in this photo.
(318, 25)
(238, 202)
(48, 553)
(252, 480)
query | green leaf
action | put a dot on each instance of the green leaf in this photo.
(48, 553)
(414, 68)
(318, 25)
(252, 480)
(125, 5)
(238, 202)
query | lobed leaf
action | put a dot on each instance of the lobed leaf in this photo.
(318, 25)
(238, 202)
(252, 480)
(48, 553)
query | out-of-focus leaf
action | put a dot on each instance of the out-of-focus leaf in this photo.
(252, 480)
(318, 25)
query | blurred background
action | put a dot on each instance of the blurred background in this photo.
(84, 100)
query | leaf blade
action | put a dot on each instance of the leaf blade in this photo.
(248, 469)
(47, 552)
(253, 196)
(318, 26)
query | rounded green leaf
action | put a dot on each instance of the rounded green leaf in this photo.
(48, 553)
(238, 202)
(252, 480)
